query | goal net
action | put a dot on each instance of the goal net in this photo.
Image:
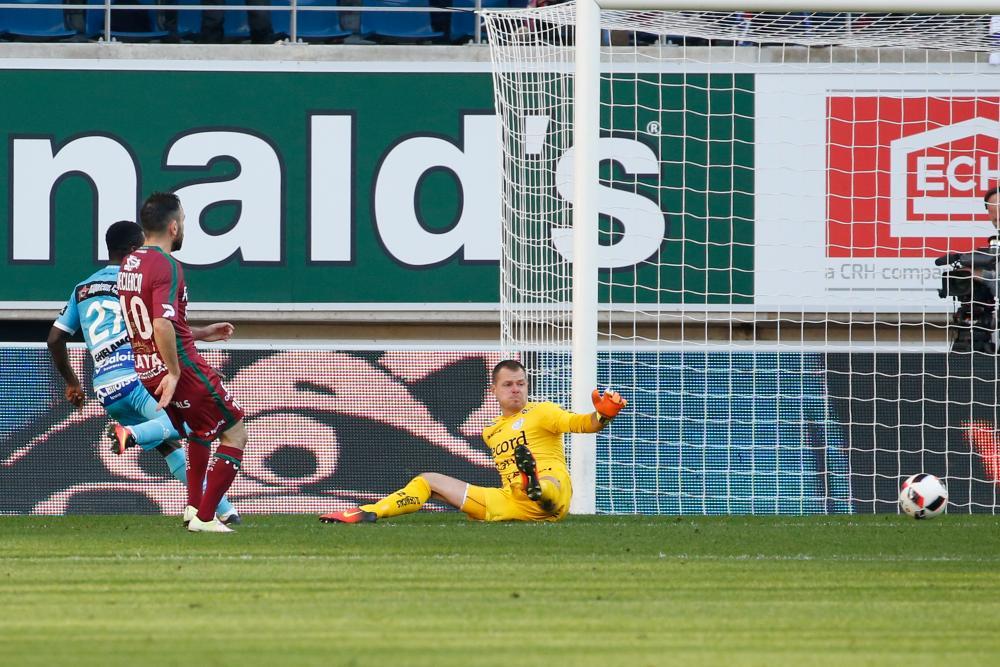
(775, 192)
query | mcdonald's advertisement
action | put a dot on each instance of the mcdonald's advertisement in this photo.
(324, 188)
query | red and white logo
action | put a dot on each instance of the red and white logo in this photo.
(906, 174)
(940, 175)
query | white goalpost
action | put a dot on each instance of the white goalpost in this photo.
(732, 212)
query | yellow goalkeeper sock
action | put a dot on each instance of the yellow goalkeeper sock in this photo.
(550, 494)
(408, 499)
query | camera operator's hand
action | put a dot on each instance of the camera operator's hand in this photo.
(950, 258)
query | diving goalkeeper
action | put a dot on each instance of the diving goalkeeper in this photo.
(526, 444)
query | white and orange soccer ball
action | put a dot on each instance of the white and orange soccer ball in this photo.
(923, 496)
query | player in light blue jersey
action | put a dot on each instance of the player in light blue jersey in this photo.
(94, 307)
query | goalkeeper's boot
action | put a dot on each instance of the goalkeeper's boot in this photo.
(231, 518)
(353, 515)
(196, 525)
(121, 438)
(525, 462)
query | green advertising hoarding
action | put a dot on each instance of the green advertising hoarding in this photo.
(700, 129)
(313, 187)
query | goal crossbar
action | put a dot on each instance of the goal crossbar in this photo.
(891, 6)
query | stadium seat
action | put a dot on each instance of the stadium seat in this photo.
(188, 20)
(35, 24)
(311, 26)
(398, 25)
(463, 24)
(127, 25)
(235, 26)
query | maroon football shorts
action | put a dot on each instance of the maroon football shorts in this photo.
(202, 407)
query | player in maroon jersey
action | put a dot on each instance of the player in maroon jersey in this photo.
(154, 304)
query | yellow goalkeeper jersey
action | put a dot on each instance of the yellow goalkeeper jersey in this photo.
(540, 426)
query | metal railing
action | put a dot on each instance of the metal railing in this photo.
(293, 9)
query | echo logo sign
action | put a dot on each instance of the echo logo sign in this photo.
(906, 174)
(937, 176)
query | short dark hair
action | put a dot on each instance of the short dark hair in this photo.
(509, 364)
(123, 237)
(158, 210)
(989, 193)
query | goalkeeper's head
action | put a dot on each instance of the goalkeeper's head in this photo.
(122, 238)
(510, 386)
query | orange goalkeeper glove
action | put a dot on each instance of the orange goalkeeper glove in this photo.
(607, 405)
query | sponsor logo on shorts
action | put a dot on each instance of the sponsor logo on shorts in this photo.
(181, 405)
(211, 433)
(107, 390)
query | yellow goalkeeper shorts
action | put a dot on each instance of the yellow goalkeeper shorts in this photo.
(492, 504)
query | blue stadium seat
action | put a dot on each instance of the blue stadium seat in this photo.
(398, 25)
(35, 24)
(311, 26)
(127, 25)
(235, 26)
(463, 24)
(188, 20)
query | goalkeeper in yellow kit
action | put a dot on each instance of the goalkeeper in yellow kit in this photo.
(526, 444)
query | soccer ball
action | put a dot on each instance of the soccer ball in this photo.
(923, 496)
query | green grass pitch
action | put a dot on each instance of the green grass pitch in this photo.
(435, 589)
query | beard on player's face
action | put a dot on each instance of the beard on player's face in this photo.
(178, 239)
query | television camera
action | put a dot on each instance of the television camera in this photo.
(972, 281)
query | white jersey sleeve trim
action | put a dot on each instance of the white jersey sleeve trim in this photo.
(59, 325)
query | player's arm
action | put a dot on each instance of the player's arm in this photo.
(607, 406)
(166, 344)
(213, 332)
(67, 324)
(60, 357)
